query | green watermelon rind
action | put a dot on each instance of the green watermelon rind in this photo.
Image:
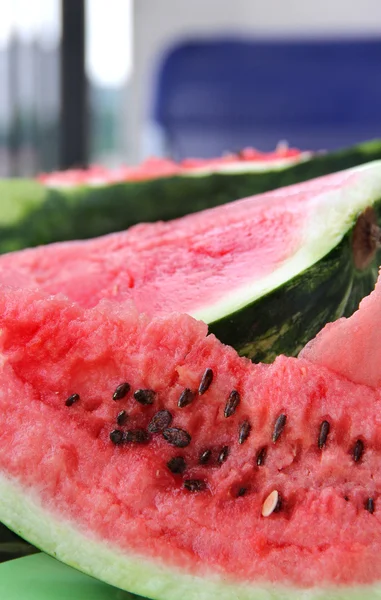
(316, 285)
(22, 511)
(32, 214)
(330, 216)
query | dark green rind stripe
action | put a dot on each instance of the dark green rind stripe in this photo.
(31, 214)
(299, 309)
(12, 546)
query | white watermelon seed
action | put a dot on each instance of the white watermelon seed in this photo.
(271, 504)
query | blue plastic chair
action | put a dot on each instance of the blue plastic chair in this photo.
(216, 96)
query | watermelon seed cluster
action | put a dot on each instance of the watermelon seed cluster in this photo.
(179, 438)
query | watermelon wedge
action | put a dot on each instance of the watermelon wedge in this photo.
(362, 366)
(83, 204)
(248, 160)
(266, 273)
(144, 452)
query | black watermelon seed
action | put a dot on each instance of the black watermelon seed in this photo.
(137, 436)
(144, 396)
(278, 427)
(369, 505)
(177, 437)
(260, 460)
(160, 421)
(323, 434)
(116, 436)
(177, 465)
(121, 417)
(206, 380)
(244, 432)
(72, 399)
(205, 457)
(232, 403)
(186, 398)
(358, 450)
(223, 455)
(241, 492)
(194, 485)
(121, 391)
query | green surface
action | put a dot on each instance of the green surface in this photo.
(41, 577)
(31, 214)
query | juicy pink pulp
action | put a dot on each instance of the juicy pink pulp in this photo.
(183, 265)
(362, 363)
(161, 167)
(127, 495)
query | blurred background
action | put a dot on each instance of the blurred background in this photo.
(97, 81)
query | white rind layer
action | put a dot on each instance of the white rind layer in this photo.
(330, 215)
(21, 510)
(248, 166)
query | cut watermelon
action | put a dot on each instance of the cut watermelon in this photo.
(266, 273)
(83, 204)
(249, 160)
(263, 483)
(365, 325)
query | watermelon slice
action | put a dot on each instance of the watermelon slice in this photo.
(83, 204)
(266, 273)
(144, 452)
(362, 367)
(247, 161)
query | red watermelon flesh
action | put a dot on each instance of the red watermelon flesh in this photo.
(362, 363)
(208, 263)
(117, 511)
(162, 167)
